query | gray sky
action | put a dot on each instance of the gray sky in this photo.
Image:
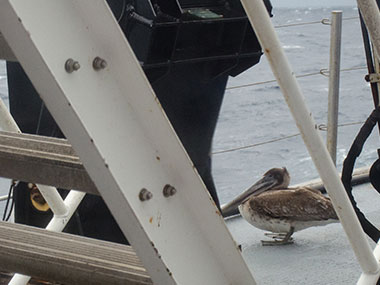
(318, 3)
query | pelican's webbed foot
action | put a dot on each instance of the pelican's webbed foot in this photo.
(279, 238)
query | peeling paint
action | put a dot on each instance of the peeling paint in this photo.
(170, 273)
(155, 249)
(159, 219)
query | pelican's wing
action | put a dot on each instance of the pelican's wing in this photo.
(300, 204)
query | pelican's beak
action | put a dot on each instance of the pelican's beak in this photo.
(265, 183)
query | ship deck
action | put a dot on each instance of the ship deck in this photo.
(319, 255)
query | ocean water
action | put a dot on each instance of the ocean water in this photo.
(259, 114)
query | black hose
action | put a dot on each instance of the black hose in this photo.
(348, 167)
(6, 216)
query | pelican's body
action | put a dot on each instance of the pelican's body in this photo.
(270, 205)
(279, 210)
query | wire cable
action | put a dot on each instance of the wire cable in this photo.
(323, 72)
(6, 215)
(323, 21)
(321, 127)
(122, 14)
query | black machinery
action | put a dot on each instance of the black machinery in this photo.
(213, 34)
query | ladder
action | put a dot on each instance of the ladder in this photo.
(180, 239)
(117, 127)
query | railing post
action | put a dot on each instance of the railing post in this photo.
(62, 209)
(334, 76)
(270, 43)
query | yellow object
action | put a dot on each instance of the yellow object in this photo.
(37, 199)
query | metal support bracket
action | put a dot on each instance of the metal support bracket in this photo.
(373, 77)
(117, 127)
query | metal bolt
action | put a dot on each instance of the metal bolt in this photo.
(145, 195)
(99, 63)
(169, 190)
(71, 65)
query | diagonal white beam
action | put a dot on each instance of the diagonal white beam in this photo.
(293, 96)
(62, 209)
(371, 17)
(117, 127)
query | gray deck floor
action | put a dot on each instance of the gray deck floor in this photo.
(320, 255)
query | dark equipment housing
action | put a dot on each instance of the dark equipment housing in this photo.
(214, 34)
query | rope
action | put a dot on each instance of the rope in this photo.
(321, 127)
(323, 72)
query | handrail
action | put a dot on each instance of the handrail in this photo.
(62, 209)
(267, 37)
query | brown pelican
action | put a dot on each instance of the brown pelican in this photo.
(270, 205)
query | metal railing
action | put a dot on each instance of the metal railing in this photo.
(62, 209)
(268, 39)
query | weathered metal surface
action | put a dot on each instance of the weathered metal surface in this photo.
(43, 160)
(5, 277)
(116, 125)
(66, 258)
(5, 51)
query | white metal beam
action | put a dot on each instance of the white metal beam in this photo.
(5, 51)
(117, 127)
(270, 43)
(334, 78)
(371, 17)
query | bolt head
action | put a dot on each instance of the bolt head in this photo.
(169, 190)
(71, 65)
(99, 63)
(145, 195)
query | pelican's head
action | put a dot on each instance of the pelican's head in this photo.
(275, 178)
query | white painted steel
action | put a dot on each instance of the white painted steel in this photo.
(5, 52)
(72, 201)
(50, 194)
(57, 224)
(116, 125)
(377, 70)
(334, 77)
(371, 17)
(3, 198)
(53, 199)
(268, 39)
(371, 278)
(367, 9)
(19, 279)
(63, 210)
(7, 123)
